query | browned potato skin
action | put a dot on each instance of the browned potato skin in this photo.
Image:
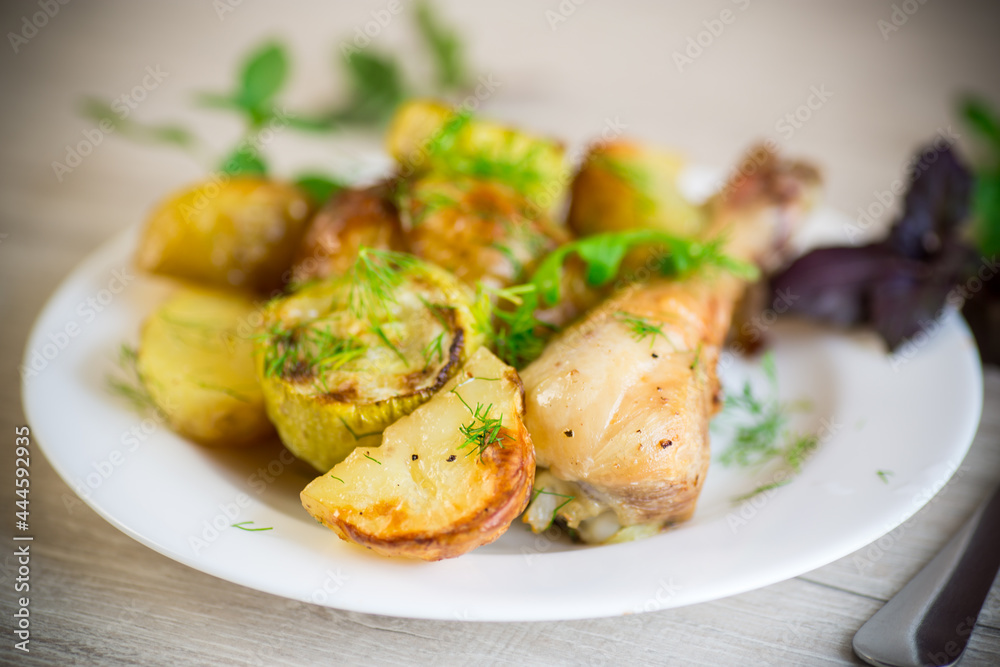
(474, 513)
(463, 236)
(352, 219)
(624, 185)
(513, 470)
(237, 233)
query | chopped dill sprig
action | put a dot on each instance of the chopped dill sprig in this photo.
(243, 526)
(761, 434)
(384, 337)
(884, 475)
(338, 479)
(434, 348)
(555, 512)
(508, 316)
(374, 279)
(483, 430)
(370, 458)
(640, 327)
(307, 349)
(357, 436)
(130, 388)
(760, 489)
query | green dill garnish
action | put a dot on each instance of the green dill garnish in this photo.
(640, 327)
(370, 458)
(357, 436)
(243, 526)
(374, 279)
(131, 388)
(307, 349)
(760, 489)
(761, 433)
(884, 475)
(483, 430)
(382, 336)
(338, 479)
(555, 512)
(697, 357)
(508, 317)
(434, 348)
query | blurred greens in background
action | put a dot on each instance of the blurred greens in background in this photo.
(376, 86)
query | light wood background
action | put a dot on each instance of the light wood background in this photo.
(100, 598)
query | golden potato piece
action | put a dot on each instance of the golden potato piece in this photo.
(198, 369)
(448, 478)
(352, 219)
(240, 233)
(343, 358)
(426, 136)
(479, 230)
(622, 185)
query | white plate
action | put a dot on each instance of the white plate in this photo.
(914, 415)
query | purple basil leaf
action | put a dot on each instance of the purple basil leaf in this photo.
(936, 206)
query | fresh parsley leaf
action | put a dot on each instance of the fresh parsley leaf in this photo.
(243, 162)
(444, 45)
(603, 255)
(264, 73)
(319, 187)
(376, 88)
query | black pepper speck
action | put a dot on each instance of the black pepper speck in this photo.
(451, 458)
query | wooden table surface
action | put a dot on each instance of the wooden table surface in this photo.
(881, 78)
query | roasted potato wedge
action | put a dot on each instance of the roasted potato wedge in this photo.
(448, 478)
(351, 219)
(622, 185)
(429, 137)
(479, 230)
(199, 371)
(341, 359)
(241, 232)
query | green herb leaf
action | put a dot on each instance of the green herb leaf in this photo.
(320, 188)
(981, 117)
(263, 75)
(131, 387)
(175, 135)
(445, 46)
(603, 255)
(986, 188)
(243, 162)
(761, 434)
(376, 88)
(243, 526)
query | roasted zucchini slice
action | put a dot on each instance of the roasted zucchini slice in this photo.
(448, 478)
(623, 185)
(241, 232)
(196, 362)
(479, 230)
(430, 137)
(343, 358)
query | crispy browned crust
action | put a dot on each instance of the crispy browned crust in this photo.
(353, 218)
(511, 468)
(515, 472)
